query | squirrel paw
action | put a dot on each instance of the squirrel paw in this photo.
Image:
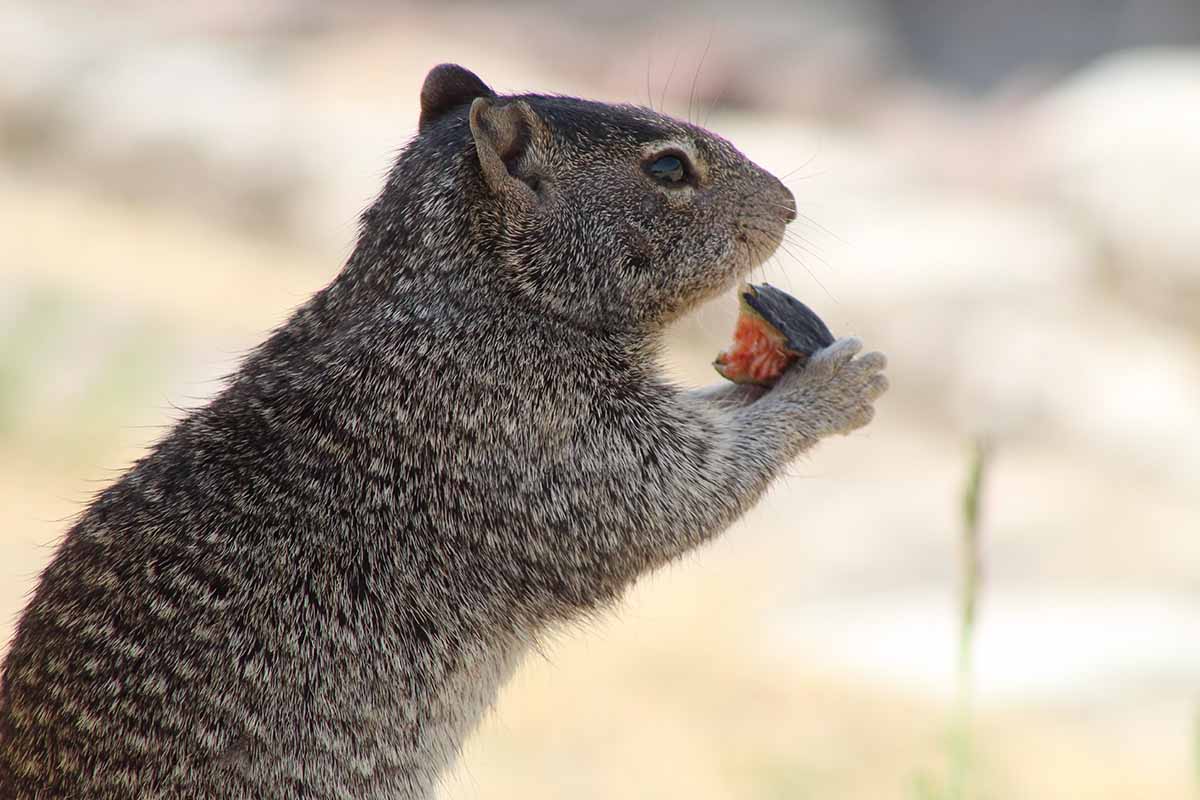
(835, 392)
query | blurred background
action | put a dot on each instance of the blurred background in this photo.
(1000, 196)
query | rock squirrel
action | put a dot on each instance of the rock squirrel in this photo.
(315, 585)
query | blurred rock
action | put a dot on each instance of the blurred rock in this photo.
(977, 44)
(1105, 381)
(41, 51)
(193, 124)
(1121, 147)
(921, 244)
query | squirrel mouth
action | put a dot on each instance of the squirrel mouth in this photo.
(759, 241)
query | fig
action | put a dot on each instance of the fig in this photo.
(774, 330)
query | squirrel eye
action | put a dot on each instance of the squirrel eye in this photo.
(667, 169)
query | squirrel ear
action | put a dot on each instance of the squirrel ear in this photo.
(448, 86)
(502, 135)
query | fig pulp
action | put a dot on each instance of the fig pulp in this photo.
(774, 330)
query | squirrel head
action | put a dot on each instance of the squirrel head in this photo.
(606, 215)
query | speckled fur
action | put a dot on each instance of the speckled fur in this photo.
(315, 585)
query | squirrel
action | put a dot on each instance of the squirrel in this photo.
(315, 585)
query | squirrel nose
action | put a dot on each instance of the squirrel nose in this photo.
(780, 196)
(789, 204)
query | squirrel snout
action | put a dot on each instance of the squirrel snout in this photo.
(788, 205)
(777, 196)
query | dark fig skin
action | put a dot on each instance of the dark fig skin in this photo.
(804, 331)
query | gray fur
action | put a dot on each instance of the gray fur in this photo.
(315, 585)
